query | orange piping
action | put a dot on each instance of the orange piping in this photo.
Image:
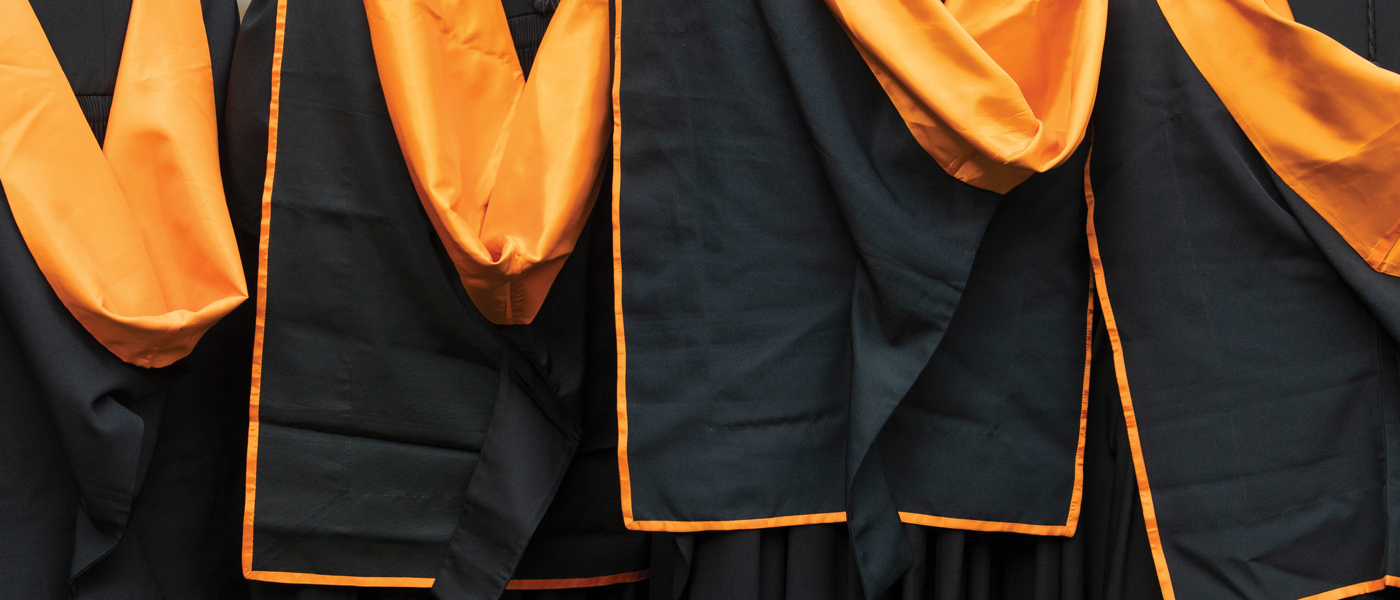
(427, 582)
(624, 472)
(563, 584)
(784, 521)
(308, 578)
(1357, 589)
(1076, 496)
(975, 525)
(133, 237)
(1322, 116)
(251, 487)
(1149, 511)
(1076, 499)
(250, 494)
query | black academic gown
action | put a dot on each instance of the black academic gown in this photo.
(1180, 187)
(1109, 556)
(404, 439)
(797, 273)
(1259, 347)
(115, 481)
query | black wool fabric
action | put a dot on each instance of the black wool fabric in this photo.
(790, 259)
(281, 591)
(582, 535)
(115, 481)
(861, 334)
(378, 375)
(1260, 356)
(1107, 559)
(401, 434)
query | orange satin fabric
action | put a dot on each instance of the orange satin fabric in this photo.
(135, 236)
(506, 169)
(994, 90)
(1326, 119)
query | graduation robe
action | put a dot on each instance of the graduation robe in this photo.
(1237, 180)
(831, 291)
(115, 479)
(819, 319)
(399, 438)
(845, 347)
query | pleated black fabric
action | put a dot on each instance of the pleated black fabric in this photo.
(115, 481)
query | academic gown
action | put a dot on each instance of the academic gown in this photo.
(166, 444)
(830, 337)
(1183, 184)
(401, 440)
(851, 165)
(1253, 346)
(1111, 555)
(1108, 558)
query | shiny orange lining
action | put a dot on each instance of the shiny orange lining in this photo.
(134, 236)
(1326, 119)
(994, 91)
(1149, 511)
(507, 169)
(564, 584)
(1076, 499)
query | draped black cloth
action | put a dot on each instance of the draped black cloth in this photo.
(172, 441)
(401, 434)
(1259, 348)
(115, 481)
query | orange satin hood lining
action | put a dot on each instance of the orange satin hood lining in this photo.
(1326, 119)
(134, 236)
(506, 169)
(994, 91)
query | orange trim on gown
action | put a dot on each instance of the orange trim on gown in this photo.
(512, 196)
(1149, 511)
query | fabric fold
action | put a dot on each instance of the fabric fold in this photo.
(506, 170)
(134, 236)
